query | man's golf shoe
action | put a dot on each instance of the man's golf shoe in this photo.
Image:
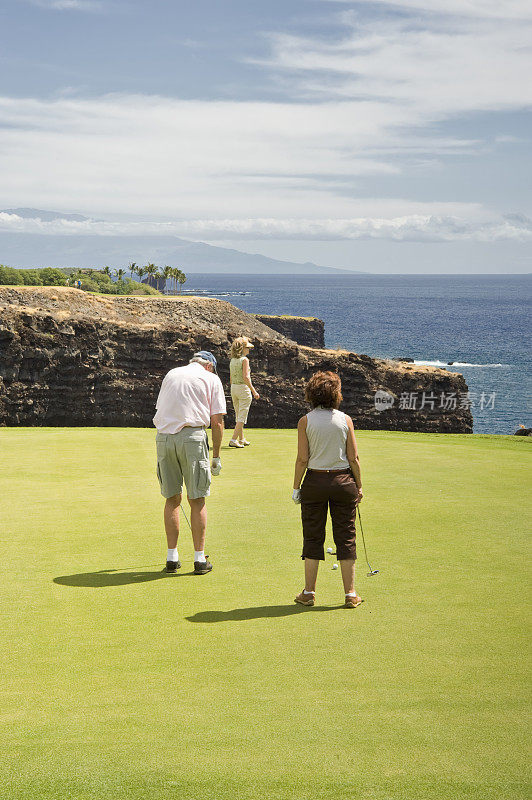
(172, 567)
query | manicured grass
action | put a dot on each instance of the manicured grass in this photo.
(120, 682)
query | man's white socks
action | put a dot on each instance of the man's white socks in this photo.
(199, 555)
(172, 555)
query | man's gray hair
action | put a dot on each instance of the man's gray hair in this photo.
(202, 361)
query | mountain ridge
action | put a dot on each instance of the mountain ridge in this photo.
(25, 250)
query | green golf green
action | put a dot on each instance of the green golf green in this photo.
(121, 682)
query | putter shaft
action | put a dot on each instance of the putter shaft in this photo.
(371, 571)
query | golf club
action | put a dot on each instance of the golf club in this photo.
(185, 516)
(371, 571)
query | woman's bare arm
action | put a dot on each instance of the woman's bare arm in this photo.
(302, 452)
(352, 455)
(246, 374)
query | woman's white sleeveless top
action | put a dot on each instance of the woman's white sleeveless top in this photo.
(327, 439)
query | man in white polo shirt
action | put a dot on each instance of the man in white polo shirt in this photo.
(190, 399)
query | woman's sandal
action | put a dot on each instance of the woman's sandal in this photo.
(305, 599)
(352, 601)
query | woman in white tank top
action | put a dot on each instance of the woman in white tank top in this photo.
(327, 457)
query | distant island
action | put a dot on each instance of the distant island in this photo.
(22, 249)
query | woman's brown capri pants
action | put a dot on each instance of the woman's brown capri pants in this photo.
(338, 492)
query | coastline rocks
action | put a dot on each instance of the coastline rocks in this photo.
(92, 360)
(522, 431)
(309, 331)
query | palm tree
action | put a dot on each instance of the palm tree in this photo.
(175, 275)
(167, 273)
(120, 274)
(106, 271)
(141, 271)
(151, 272)
(181, 279)
(133, 268)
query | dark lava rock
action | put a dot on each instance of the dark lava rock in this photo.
(69, 358)
(309, 331)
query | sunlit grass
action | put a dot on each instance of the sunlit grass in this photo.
(121, 682)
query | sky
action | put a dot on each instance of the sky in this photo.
(379, 136)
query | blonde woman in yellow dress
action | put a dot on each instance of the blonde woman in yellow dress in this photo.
(242, 389)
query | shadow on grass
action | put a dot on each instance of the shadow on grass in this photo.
(111, 577)
(256, 612)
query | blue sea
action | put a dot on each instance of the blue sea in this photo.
(480, 322)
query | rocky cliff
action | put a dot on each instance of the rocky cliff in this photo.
(309, 331)
(69, 358)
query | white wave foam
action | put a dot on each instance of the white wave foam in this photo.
(455, 364)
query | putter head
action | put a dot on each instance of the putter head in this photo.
(373, 572)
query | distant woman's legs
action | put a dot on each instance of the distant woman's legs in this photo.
(241, 397)
(238, 432)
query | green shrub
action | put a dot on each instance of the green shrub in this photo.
(103, 282)
(88, 284)
(10, 276)
(143, 288)
(52, 277)
(31, 277)
(93, 281)
(124, 286)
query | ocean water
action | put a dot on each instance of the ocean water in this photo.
(480, 322)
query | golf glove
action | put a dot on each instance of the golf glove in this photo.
(296, 496)
(216, 466)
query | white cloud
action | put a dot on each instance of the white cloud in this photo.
(408, 228)
(513, 9)
(68, 5)
(161, 156)
(366, 104)
(424, 68)
(415, 227)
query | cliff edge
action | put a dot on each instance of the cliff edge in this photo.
(71, 358)
(309, 331)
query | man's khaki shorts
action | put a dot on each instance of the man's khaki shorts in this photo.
(241, 397)
(184, 456)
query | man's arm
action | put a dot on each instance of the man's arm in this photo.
(217, 430)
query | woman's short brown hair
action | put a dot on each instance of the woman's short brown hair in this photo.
(324, 389)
